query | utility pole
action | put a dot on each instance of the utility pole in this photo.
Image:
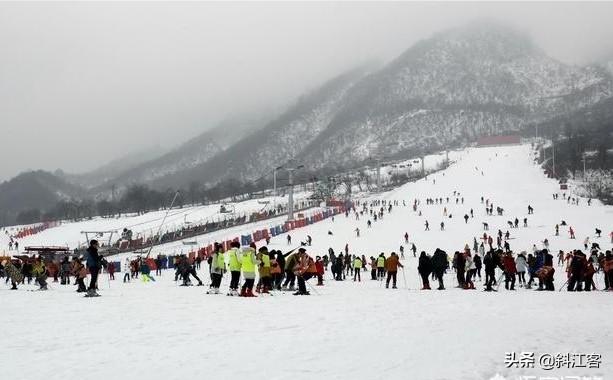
(378, 175)
(423, 165)
(553, 157)
(584, 166)
(290, 194)
(274, 186)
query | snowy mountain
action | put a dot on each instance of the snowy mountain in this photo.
(33, 190)
(110, 170)
(280, 140)
(185, 157)
(446, 90)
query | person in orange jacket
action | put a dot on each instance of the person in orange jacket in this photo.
(391, 266)
(304, 270)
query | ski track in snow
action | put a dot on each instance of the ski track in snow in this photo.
(349, 330)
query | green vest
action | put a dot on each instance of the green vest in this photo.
(380, 262)
(248, 264)
(265, 261)
(221, 263)
(235, 265)
(357, 263)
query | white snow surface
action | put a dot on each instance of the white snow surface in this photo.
(344, 330)
(69, 233)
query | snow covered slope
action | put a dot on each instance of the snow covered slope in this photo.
(69, 233)
(345, 329)
(446, 90)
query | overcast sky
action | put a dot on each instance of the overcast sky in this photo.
(82, 84)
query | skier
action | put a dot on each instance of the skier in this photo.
(428, 227)
(289, 239)
(530, 210)
(357, 232)
(13, 273)
(79, 271)
(560, 258)
(439, 265)
(357, 268)
(193, 273)
(466, 218)
(525, 222)
(373, 268)
(391, 265)
(93, 265)
(571, 232)
(578, 266)
(406, 238)
(305, 270)
(145, 271)
(607, 267)
(490, 263)
(478, 265)
(248, 264)
(521, 266)
(424, 268)
(442, 226)
(557, 230)
(290, 277)
(381, 267)
(470, 270)
(413, 249)
(319, 268)
(65, 271)
(126, 275)
(263, 258)
(217, 268)
(275, 270)
(460, 267)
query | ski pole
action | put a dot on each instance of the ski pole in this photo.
(564, 285)
(499, 281)
(312, 288)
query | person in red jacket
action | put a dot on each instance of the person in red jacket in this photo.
(110, 268)
(319, 267)
(510, 270)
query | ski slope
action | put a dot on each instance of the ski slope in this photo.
(343, 330)
(69, 233)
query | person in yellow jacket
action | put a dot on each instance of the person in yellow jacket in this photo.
(234, 265)
(218, 266)
(381, 267)
(248, 264)
(265, 283)
(357, 268)
(40, 273)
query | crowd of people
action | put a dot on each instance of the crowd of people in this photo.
(275, 270)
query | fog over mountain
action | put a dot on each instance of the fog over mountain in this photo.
(84, 84)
